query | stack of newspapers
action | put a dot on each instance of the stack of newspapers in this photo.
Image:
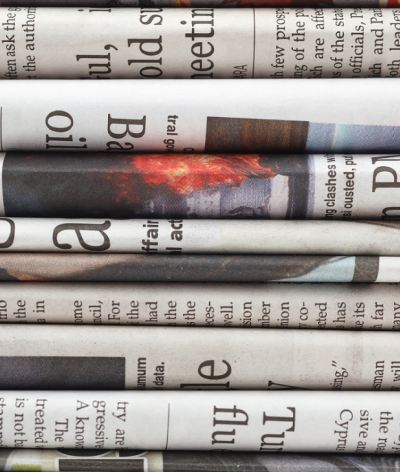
(199, 275)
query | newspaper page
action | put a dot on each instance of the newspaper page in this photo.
(97, 267)
(158, 4)
(103, 460)
(118, 185)
(172, 236)
(222, 116)
(133, 43)
(71, 357)
(341, 422)
(273, 305)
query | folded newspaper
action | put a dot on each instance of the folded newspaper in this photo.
(97, 267)
(350, 422)
(155, 6)
(173, 236)
(133, 43)
(118, 185)
(102, 460)
(54, 357)
(224, 116)
(331, 306)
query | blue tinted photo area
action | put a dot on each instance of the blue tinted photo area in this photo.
(232, 135)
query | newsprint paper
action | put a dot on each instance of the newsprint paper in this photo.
(223, 116)
(132, 43)
(103, 460)
(97, 267)
(155, 6)
(118, 185)
(172, 236)
(331, 306)
(70, 357)
(345, 422)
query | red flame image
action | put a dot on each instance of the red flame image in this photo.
(183, 174)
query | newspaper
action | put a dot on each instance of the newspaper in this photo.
(150, 5)
(196, 268)
(222, 116)
(173, 236)
(196, 43)
(345, 422)
(121, 185)
(72, 357)
(322, 306)
(78, 460)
